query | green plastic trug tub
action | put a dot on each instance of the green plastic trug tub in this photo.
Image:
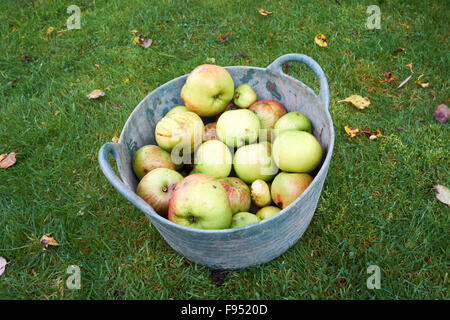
(253, 244)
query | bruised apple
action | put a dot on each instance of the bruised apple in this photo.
(150, 157)
(156, 188)
(200, 201)
(260, 193)
(286, 187)
(238, 194)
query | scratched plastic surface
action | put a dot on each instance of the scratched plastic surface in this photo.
(250, 245)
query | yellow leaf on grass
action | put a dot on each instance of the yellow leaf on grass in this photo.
(57, 112)
(321, 40)
(48, 240)
(351, 131)
(127, 81)
(137, 40)
(49, 30)
(134, 31)
(264, 12)
(410, 66)
(420, 83)
(115, 139)
(7, 160)
(97, 93)
(357, 101)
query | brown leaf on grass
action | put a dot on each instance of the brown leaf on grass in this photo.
(225, 37)
(410, 66)
(351, 131)
(26, 58)
(420, 83)
(321, 40)
(441, 113)
(358, 101)
(49, 30)
(399, 50)
(7, 160)
(218, 276)
(388, 77)
(442, 194)
(3, 264)
(264, 12)
(48, 240)
(61, 32)
(97, 93)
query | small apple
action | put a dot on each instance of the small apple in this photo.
(292, 121)
(150, 157)
(254, 161)
(177, 109)
(183, 130)
(238, 127)
(238, 194)
(297, 151)
(200, 201)
(268, 112)
(241, 219)
(267, 212)
(210, 132)
(214, 158)
(260, 193)
(156, 188)
(208, 90)
(286, 187)
(244, 96)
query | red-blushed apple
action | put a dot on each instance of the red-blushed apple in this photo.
(150, 157)
(286, 187)
(238, 127)
(297, 151)
(181, 130)
(177, 109)
(214, 158)
(254, 161)
(156, 188)
(208, 90)
(294, 120)
(242, 219)
(267, 212)
(238, 194)
(268, 112)
(200, 201)
(244, 96)
(260, 192)
(210, 132)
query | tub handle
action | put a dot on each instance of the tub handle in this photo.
(118, 184)
(277, 67)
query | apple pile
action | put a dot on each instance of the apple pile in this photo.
(251, 159)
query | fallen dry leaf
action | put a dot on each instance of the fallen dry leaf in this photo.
(97, 93)
(61, 32)
(321, 40)
(441, 113)
(399, 50)
(3, 264)
(264, 12)
(48, 240)
(115, 139)
(139, 40)
(358, 101)
(211, 60)
(351, 131)
(26, 58)
(57, 112)
(225, 37)
(146, 44)
(388, 77)
(7, 160)
(410, 66)
(127, 81)
(442, 194)
(49, 30)
(239, 55)
(420, 83)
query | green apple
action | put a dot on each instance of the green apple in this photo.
(150, 157)
(208, 90)
(181, 130)
(238, 194)
(238, 127)
(268, 112)
(286, 187)
(156, 188)
(244, 96)
(267, 212)
(297, 151)
(214, 158)
(292, 121)
(241, 219)
(260, 192)
(200, 201)
(177, 109)
(254, 161)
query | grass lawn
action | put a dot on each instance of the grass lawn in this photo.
(377, 205)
